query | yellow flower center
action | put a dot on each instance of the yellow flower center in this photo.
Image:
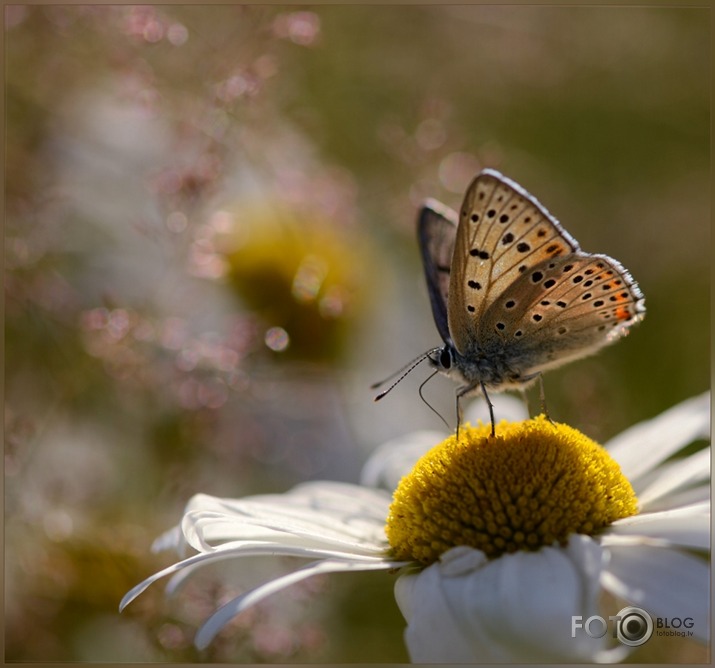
(533, 484)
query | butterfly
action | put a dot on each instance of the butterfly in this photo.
(512, 293)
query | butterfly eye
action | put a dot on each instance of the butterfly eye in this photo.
(445, 358)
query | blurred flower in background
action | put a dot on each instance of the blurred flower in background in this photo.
(295, 270)
(210, 255)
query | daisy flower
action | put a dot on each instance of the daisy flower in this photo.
(504, 544)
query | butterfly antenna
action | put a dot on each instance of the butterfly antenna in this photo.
(404, 370)
(427, 403)
(411, 364)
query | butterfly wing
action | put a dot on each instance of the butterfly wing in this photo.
(562, 309)
(503, 234)
(437, 231)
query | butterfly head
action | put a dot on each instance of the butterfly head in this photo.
(467, 372)
(443, 358)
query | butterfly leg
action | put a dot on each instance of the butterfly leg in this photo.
(466, 390)
(525, 399)
(542, 397)
(491, 406)
(542, 394)
(459, 412)
(460, 393)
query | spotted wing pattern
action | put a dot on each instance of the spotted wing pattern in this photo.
(561, 309)
(504, 234)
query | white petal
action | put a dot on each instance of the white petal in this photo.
(518, 607)
(685, 527)
(142, 586)
(172, 539)
(203, 530)
(461, 560)
(396, 458)
(665, 582)
(431, 636)
(506, 407)
(676, 476)
(249, 549)
(227, 612)
(325, 502)
(321, 514)
(685, 497)
(643, 446)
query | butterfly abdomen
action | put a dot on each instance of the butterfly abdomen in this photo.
(492, 366)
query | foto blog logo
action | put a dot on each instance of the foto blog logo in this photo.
(632, 626)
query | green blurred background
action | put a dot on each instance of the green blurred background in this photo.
(210, 255)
